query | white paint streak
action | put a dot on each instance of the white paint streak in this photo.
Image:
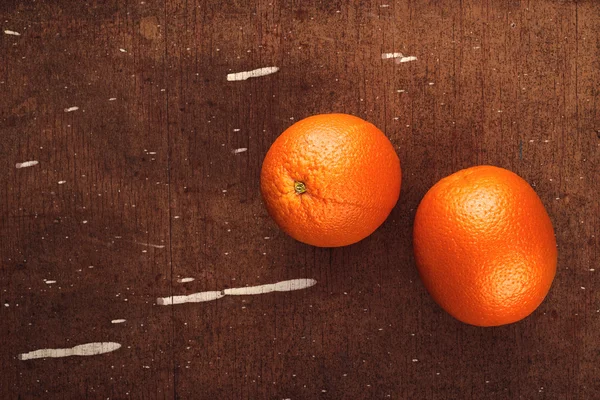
(255, 73)
(13, 33)
(26, 164)
(399, 57)
(117, 321)
(385, 56)
(123, 50)
(62, 182)
(50, 282)
(70, 109)
(112, 99)
(407, 59)
(88, 349)
(240, 150)
(185, 280)
(156, 246)
(192, 298)
(284, 286)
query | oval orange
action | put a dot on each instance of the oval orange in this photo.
(330, 180)
(484, 246)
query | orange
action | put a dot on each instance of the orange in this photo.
(485, 246)
(330, 180)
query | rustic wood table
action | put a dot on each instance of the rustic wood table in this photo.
(130, 171)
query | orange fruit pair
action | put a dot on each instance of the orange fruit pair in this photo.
(484, 244)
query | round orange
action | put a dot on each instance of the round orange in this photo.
(485, 246)
(330, 180)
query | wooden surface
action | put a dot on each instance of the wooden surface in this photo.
(508, 83)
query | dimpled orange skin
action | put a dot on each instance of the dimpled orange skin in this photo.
(350, 173)
(485, 246)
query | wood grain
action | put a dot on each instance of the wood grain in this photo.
(513, 84)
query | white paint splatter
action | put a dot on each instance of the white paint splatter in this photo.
(237, 130)
(385, 56)
(185, 280)
(49, 282)
(112, 99)
(284, 286)
(70, 109)
(88, 349)
(156, 246)
(399, 57)
(62, 182)
(255, 73)
(192, 298)
(26, 164)
(117, 321)
(123, 50)
(407, 59)
(240, 150)
(13, 33)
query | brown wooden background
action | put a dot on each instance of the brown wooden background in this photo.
(509, 83)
